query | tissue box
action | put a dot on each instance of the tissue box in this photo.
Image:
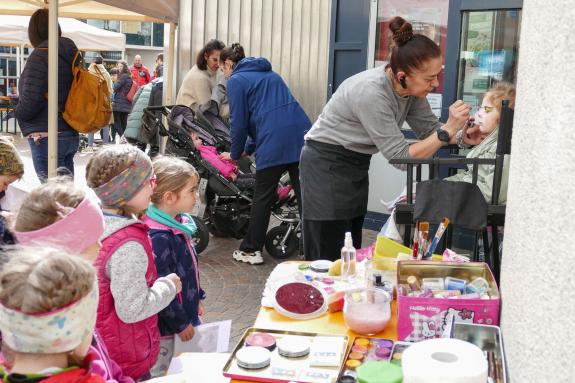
(425, 318)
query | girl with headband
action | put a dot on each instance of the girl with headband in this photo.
(131, 294)
(48, 303)
(61, 215)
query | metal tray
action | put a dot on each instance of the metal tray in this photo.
(285, 370)
(487, 338)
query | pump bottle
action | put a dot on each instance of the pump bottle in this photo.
(348, 258)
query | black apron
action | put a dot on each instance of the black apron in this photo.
(334, 182)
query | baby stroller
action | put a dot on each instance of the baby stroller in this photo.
(224, 205)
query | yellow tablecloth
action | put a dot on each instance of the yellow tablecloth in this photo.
(330, 323)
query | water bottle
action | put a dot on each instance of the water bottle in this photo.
(348, 258)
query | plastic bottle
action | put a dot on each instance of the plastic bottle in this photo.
(348, 258)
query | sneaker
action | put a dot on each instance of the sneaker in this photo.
(254, 258)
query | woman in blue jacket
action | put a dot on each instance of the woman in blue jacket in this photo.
(121, 106)
(32, 109)
(266, 120)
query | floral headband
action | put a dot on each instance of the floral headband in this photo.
(58, 331)
(122, 188)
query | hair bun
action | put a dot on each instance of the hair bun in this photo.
(401, 29)
(238, 49)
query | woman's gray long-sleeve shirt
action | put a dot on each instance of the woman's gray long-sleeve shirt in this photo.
(365, 114)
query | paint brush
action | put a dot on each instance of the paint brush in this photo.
(415, 240)
(437, 238)
(423, 229)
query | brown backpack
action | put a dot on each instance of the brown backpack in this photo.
(88, 106)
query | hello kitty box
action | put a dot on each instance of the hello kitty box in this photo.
(421, 318)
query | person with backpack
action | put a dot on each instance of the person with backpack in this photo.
(121, 105)
(97, 68)
(32, 109)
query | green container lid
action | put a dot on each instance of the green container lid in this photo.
(379, 372)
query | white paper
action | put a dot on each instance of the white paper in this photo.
(196, 368)
(209, 337)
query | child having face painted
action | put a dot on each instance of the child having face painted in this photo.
(131, 292)
(61, 215)
(171, 229)
(48, 303)
(487, 119)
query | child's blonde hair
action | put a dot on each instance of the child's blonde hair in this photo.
(107, 163)
(500, 91)
(48, 203)
(10, 162)
(39, 280)
(172, 174)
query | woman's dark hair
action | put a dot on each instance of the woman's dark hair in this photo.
(125, 69)
(410, 50)
(212, 45)
(234, 53)
(113, 71)
(38, 27)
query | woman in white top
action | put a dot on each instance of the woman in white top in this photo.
(198, 84)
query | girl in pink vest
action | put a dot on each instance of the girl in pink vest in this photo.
(61, 215)
(131, 294)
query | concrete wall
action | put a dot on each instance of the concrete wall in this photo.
(538, 313)
(292, 34)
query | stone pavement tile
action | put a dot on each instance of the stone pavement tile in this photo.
(234, 289)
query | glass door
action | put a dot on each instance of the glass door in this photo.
(482, 48)
(488, 52)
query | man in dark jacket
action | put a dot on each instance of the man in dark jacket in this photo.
(32, 109)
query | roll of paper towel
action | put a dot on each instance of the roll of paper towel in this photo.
(444, 361)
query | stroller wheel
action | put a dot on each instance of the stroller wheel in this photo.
(274, 245)
(202, 236)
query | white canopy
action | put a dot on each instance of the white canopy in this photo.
(159, 11)
(162, 11)
(14, 31)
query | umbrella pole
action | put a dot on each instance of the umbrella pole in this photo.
(53, 88)
(169, 70)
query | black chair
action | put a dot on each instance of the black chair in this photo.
(405, 213)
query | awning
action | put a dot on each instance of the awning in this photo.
(14, 31)
(159, 11)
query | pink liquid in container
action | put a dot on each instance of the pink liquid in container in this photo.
(367, 311)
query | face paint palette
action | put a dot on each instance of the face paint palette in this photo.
(300, 300)
(364, 350)
(296, 357)
(397, 352)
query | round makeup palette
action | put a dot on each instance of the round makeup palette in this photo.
(293, 347)
(261, 339)
(321, 266)
(253, 357)
(299, 300)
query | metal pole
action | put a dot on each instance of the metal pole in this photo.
(53, 88)
(169, 70)
(171, 65)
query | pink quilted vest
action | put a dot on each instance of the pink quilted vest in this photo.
(134, 346)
